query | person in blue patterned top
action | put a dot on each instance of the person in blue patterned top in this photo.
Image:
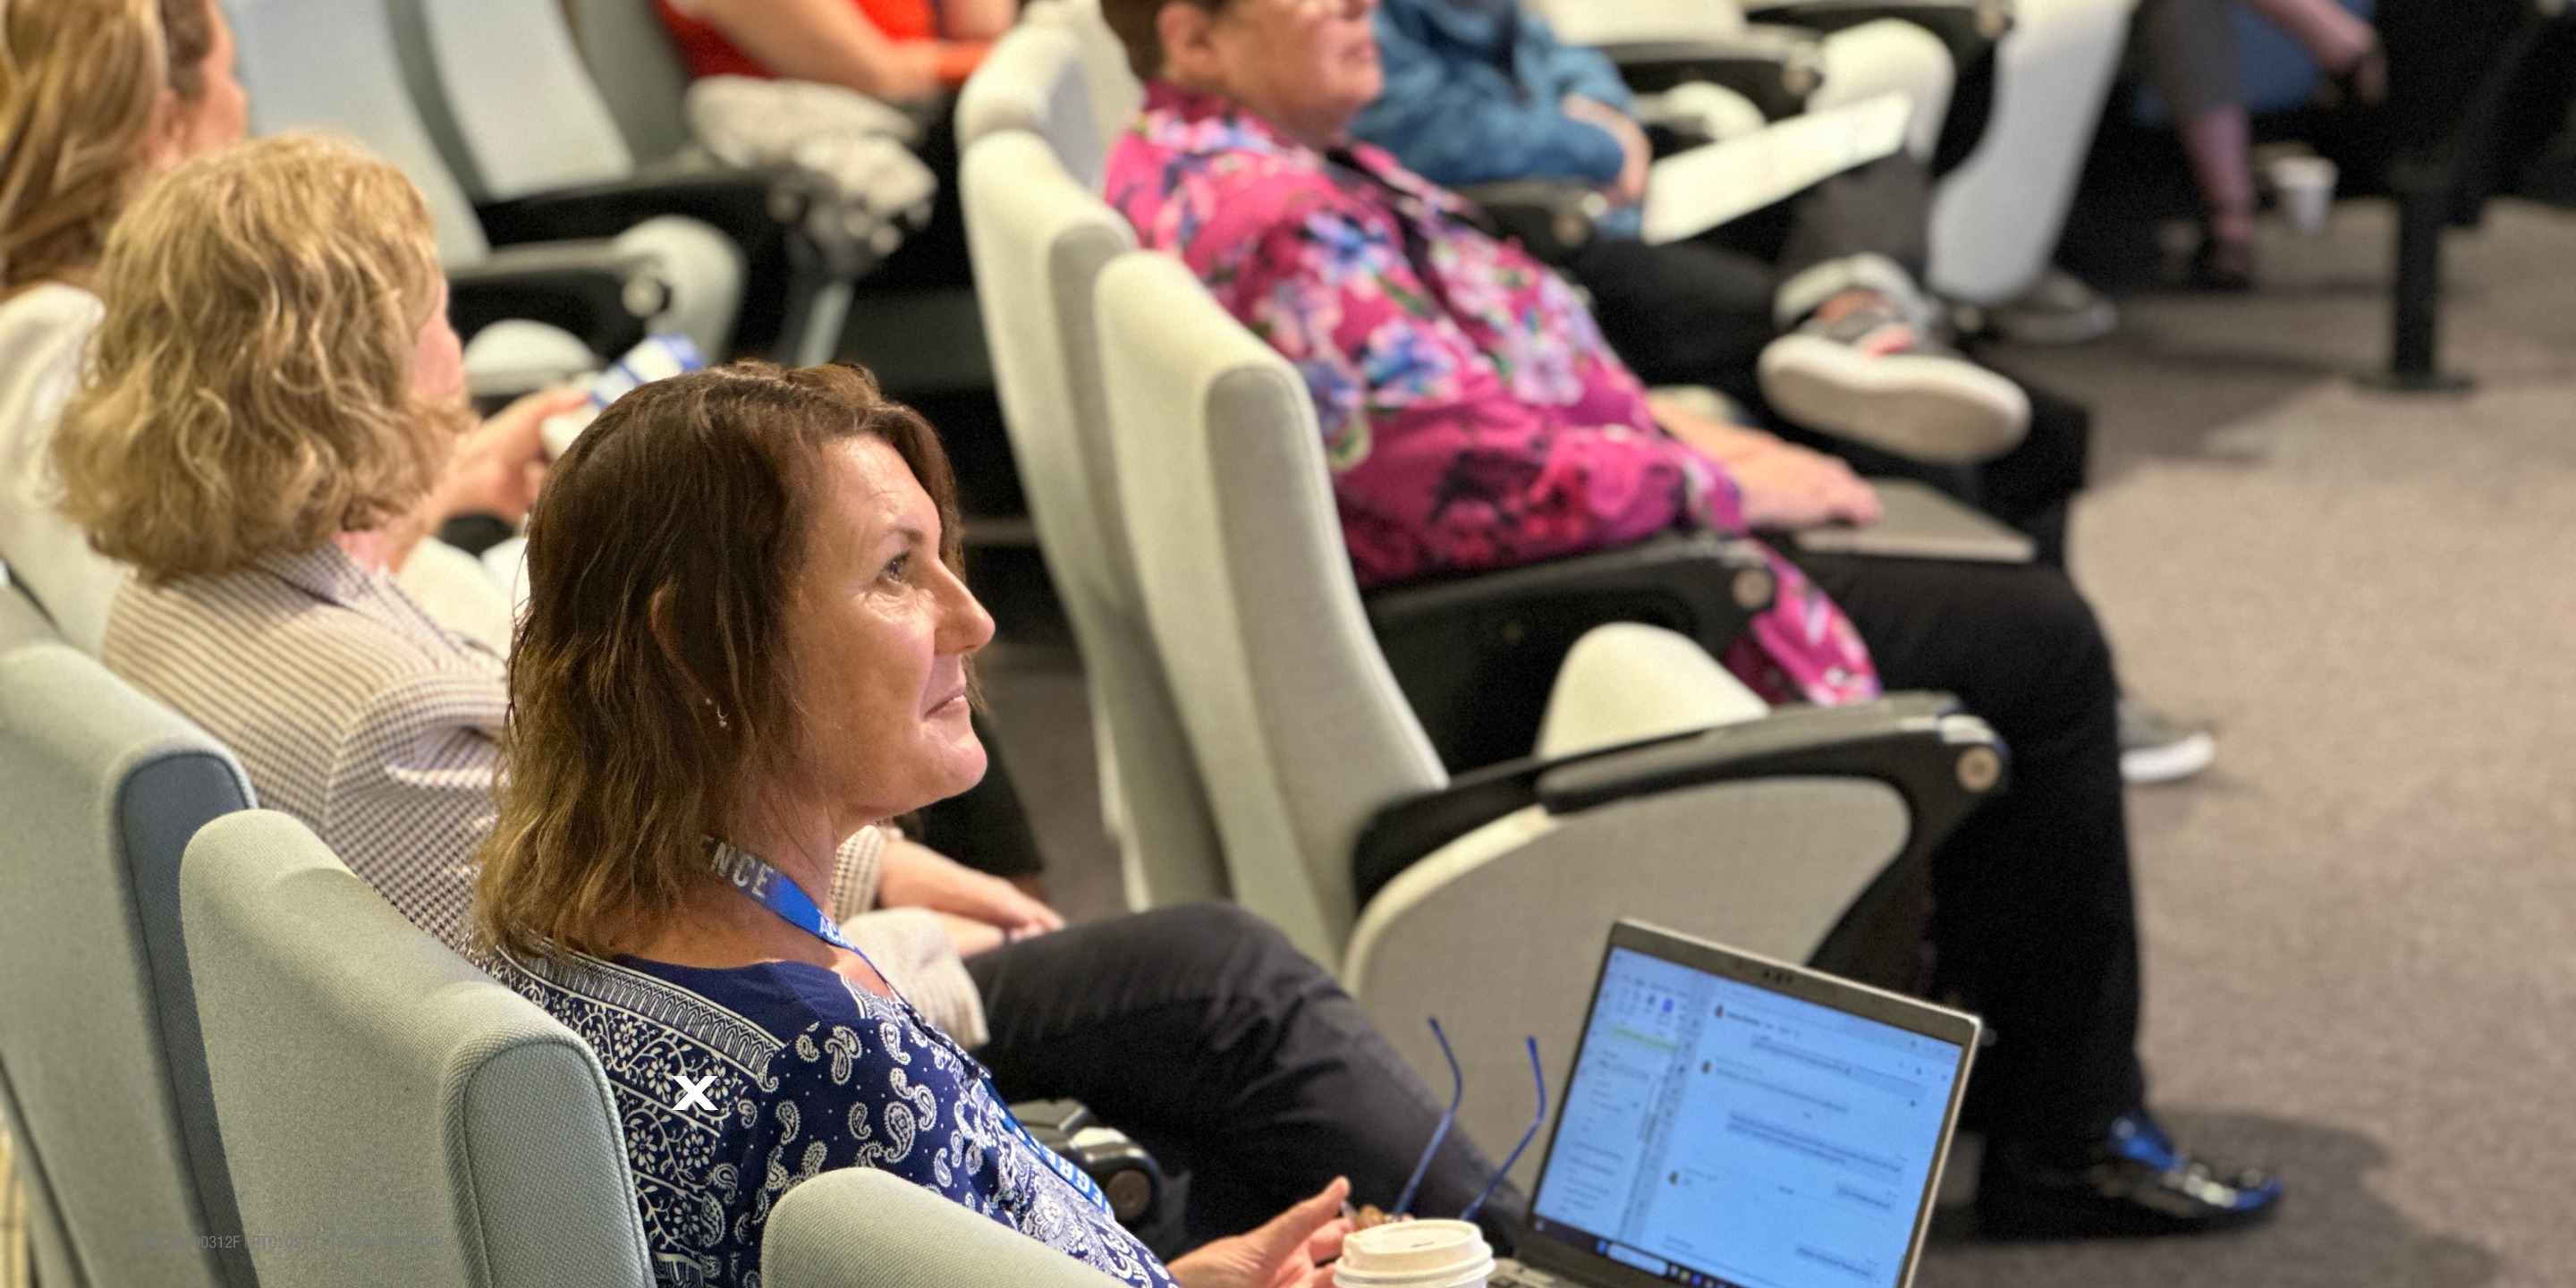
(746, 639)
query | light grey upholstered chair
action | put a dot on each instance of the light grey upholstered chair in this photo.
(331, 65)
(1484, 900)
(638, 70)
(1039, 240)
(1033, 80)
(101, 1073)
(375, 1087)
(862, 1228)
(426, 1124)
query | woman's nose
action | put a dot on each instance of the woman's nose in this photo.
(964, 626)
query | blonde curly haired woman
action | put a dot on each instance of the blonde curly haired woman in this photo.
(96, 98)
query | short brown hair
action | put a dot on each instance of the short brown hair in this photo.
(80, 81)
(692, 498)
(1133, 22)
(250, 392)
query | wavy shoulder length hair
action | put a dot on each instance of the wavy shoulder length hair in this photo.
(250, 388)
(691, 498)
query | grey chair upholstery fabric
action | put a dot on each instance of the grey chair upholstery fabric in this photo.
(862, 1228)
(1033, 81)
(502, 90)
(638, 71)
(100, 1064)
(1300, 730)
(1039, 241)
(390, 1113)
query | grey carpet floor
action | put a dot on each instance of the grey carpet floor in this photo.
(2360, 927)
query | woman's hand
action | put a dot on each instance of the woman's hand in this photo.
(916, 876)
(1790, 487)
(1282, 1254)
(1636, 154)
(1786, 487)
(500, 465)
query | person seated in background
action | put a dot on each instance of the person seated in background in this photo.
(1473, 419)
(2189, 51)
(1825, 308)
(96, 96)
(698, 714)
(275, 410)
(900, 51)
(1811, 309)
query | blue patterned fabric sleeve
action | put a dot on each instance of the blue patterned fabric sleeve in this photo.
(736, 1085)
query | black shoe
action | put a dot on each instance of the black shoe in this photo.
(2136, 1183)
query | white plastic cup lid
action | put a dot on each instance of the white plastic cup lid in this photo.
(1414, 1254)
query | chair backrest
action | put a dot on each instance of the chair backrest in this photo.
(1611, 22)
(102, 1075)
(1116, 95)
(504, 94)
(374, 1086)
(330, 65)
(859, 1227)
(1039, 242)
(1299, 728)
(638, 70)
(1034, 81)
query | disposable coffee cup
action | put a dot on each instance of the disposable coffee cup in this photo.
(2306, 186)
(1415, 1254)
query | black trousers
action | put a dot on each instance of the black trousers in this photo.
(1199, 1031)
(2034, 922)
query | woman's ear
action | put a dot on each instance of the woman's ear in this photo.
(1187, 33)
(664, 619)
(166, 141)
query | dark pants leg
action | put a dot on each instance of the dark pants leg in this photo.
(1199, 1031)
(1683, 312)
(2034, 922)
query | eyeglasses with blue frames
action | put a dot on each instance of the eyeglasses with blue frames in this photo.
(1440, 1135)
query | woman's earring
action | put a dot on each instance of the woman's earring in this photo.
(721, 722)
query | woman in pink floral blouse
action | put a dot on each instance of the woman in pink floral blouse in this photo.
(1474, 418)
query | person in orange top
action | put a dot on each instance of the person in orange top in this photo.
(888, 49)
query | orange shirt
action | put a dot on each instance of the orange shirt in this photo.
(708, 53)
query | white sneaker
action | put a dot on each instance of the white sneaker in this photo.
(2154, 749)
(1877, 380)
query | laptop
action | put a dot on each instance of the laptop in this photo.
(1918, 521)
(1736, 1122)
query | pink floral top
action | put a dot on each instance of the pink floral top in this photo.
(1471, 413)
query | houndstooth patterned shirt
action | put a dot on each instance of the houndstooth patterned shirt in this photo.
(358, 714)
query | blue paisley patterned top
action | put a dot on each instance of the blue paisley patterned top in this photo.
(733, 1085)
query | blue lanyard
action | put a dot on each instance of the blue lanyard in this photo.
(776, 891)
(752, 875)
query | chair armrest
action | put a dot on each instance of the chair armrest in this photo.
(1476, 656)
(1942, 761)
(586, 288)
(751, 207)
(1551, 218)
(1124, 1170)
(859, 1227)
(1776, 67)
(1970, 28)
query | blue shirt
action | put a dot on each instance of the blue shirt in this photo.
(734, 1085)
(1472, 96)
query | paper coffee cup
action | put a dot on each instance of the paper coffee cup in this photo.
(1415, 1254)
(2307, 189)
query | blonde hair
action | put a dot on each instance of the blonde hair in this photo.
(80, 84)
(250, 389)
(693, 500)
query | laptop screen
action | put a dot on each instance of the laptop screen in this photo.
(1722, 1134)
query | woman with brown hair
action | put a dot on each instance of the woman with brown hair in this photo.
(96, 97)
(272, 415)
(701, 708)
